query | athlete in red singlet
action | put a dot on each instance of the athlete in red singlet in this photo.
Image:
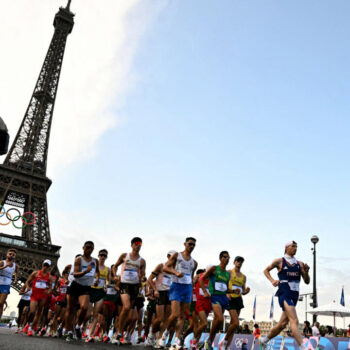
(41, 284)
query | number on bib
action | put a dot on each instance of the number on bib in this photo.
(201, 291)
(131, 276)
(294, 286)
(111, 291)
(221, 286)
(166, 281)
(237, 287)
(186, 279)
(40, 284)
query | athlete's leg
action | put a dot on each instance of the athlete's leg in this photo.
(175, 314)
(32, 308)
(278, 328)
(55, 318)
(125, 298)
(38, 314)
(158, 319)
(202, 325)
(3, 297)
(293, 322)
(84, 302)
(234, 323)
(217, 321)
(96, 310)
(72, 301)
(180, 320)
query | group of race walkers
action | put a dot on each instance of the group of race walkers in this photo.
(92, 301)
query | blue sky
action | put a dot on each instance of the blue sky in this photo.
(230, 123)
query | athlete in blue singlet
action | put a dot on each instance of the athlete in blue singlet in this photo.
(290, 271)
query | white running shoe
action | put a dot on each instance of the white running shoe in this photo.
(162, 340)
(150, 340)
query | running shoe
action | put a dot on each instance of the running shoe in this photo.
(150, 340)
(139, 340)
(25, 329)
(42, 332)
(30, 333)
(208, 345)
(162, 340)
(89, 340)
(84, 335)
(78, 332)
(193, 344)
(69, 337)
(106, 339)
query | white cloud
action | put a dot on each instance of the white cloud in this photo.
(97, 69)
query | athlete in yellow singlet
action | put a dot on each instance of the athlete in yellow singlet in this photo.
(237, 284)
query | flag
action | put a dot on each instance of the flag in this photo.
(271, 309)
(342, 299)
(254, 309)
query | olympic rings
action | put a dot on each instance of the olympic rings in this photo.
(16, 217)
(23, 217)
(19, 216)
(7, 223)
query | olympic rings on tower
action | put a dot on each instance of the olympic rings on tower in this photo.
(23, 217)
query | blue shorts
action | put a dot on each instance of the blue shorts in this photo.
(220, 299)
(180, 292)
(5, 289)
(291, 300)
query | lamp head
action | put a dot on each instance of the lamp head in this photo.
(314, 239)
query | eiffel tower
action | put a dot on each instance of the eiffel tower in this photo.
(23, 180)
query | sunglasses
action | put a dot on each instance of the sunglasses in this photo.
(89, 247)
(104, 255)
(138, 243)
(225, 257)
(192, 244)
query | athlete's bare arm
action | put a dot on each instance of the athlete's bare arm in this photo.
(49, 290)
(274, 265)
(30, 279)
(77, 265)
(22, 290)
(118, 263)
(170, 264)
(194, 269)
(205, 276)
(153, 275)
(16, 273)
(142, 269)
(304, 270)
(3, 266)
(245, 290)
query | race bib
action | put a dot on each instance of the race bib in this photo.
(90, 273)
(186, 279)
(25, 297)
(101, 282)
(131, 276)
(63, 290)
(294, 286)
(111, 291)
(234, 287)
(41, 284)
(201, 291)
(221, 286)
(166, 281)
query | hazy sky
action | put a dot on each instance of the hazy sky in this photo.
(224, 120)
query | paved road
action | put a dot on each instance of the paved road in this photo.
(11, 341)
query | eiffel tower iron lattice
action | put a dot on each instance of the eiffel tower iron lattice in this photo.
(23, 180)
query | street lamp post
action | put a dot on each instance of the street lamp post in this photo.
(314, 240)
(301, 298)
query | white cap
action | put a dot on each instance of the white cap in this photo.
(288, 244)
(47, 261)
(208, 267)
(171, 252)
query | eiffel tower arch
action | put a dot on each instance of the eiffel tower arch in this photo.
(23, 180)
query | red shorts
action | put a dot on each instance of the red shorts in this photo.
(110, 305)
(203, 305)
(39, 297)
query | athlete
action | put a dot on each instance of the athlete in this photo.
(132, 272)
(8, 268)
(85, 269)
(23, 306)
(182, 266)
(219, 279)
(290, 271)
(238, 286)
(40, 282)
(203, 308)
(161, 287)
(98, 292)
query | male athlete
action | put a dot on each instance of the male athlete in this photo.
(182, 266)
(290, 271)
(219, 279)
(238, 286)
(8, 268)
(85, 269)
(132, 273)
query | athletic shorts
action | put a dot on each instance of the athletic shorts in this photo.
(62, 303)
(5, 289)
(291, 300)
(151, 306)
(180, 292)
(131, 289)
(38, 297)
(139, 303)
(96, 294)
(163, 298)
(23, 303)
(220, 299)
(203, 304)
(76, 289)
(236, 303)
(110, 305)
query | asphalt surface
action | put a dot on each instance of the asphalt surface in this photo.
(11, 341)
